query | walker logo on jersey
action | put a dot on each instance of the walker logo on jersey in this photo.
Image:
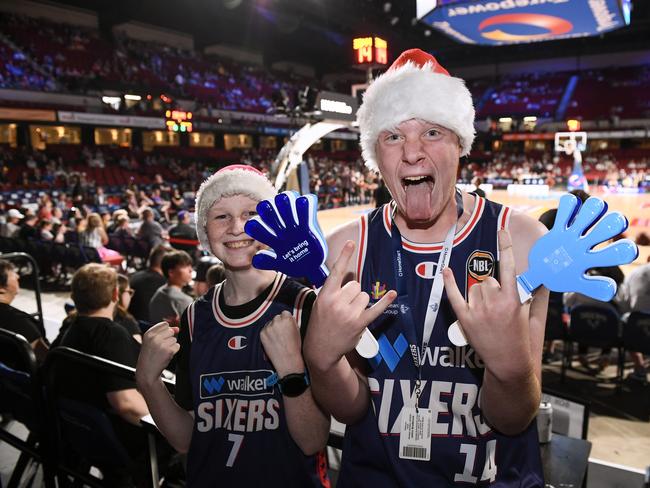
(513, 21)
(426, 270)
(236, 383)
(480, 265)
(378, 290)
(237, 343)
(390, 353)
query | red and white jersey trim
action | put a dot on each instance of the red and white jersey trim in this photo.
(422, 248)
(253, 316)
(363, 244)
(298, 306)
(190, 319)
(503, 223)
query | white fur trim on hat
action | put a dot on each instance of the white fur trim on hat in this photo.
(414, 92)
(232, 180)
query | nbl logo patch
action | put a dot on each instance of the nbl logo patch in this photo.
(237, 343)
(480, 265)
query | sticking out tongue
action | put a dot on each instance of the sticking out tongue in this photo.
(418, 198)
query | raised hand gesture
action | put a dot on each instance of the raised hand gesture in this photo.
(289, 227)
(493, 318)
(340, 313)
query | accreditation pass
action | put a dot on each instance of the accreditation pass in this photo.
(415, 434)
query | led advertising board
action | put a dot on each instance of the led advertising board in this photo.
(498, 22)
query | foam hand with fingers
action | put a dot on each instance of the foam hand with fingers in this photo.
(560, 258)
(288, 225)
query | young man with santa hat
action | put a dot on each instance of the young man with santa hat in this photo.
(424, 412)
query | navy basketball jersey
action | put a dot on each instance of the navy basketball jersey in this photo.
(464, 449)
(240, 435)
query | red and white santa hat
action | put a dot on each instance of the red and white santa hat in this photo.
(415, 87)
(236, 179)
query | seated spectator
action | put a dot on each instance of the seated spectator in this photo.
(95, 236)
(169, 301)
(122, 315)
(15, 320)
(11, 228)
(146, 282)
(93, 331)
(150, 230)
(183, 229)
(200, 280)
(122, 228)
(45, 230)
(215, 275)
(634, 296)
(28, 228)
(110, 228)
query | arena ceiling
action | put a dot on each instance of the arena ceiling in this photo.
(318, 33)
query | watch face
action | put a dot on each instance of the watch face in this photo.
(293, 385)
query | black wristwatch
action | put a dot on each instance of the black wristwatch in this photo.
(292, 385)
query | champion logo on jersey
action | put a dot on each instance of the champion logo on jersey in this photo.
(426, 270)
(237, 343)
(378, 290)
(480, 265)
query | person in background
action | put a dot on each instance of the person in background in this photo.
(183, 229)
(93, 331)
(150, 230)
(169, 301)
(94, 235)
(11, 228)
(200, 280)
(215, 275)
(634, 296)
(146, 282)
(15, 320)
(122, 315)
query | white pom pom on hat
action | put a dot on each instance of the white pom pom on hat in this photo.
(236, 179)
(416, 86)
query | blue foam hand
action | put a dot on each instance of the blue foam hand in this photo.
(559, 259)
(288, 225)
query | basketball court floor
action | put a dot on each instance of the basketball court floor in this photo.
(619, 426)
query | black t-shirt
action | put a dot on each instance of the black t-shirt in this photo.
(100, 337)
(128, 322)
(19, 322)
(145, 283)
(183, 390)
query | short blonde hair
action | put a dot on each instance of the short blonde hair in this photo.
(93, 286)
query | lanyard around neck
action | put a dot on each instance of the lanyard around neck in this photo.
(437, 287)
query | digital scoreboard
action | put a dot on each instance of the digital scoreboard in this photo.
(370, 51)
(178, 121)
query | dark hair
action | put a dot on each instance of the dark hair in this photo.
(157, 253)
(5, 268)
(216, 274)
(173, 259)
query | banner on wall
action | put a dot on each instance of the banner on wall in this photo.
(498, 22)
